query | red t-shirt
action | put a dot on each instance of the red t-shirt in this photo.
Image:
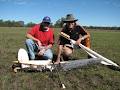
(46, 37)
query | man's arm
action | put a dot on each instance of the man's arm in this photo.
(49, 46)
(83, 37)
(51, 40)
(33, 38)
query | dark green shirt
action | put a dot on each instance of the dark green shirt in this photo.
(73, 33)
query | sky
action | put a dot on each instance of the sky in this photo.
(88, 12)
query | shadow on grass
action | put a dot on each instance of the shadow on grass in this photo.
(113, 68)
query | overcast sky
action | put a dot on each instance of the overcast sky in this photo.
(88, 12)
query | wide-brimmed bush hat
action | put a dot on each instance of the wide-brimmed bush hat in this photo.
(69, 18)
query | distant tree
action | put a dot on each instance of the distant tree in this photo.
(8, 23)
(13, 23)
(1, 22)
(30, 24)
(59, 23)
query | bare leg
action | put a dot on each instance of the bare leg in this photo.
(66, 51)
(59, 52)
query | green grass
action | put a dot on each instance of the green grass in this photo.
(97, 77)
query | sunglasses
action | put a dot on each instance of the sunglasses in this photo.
(46, 23)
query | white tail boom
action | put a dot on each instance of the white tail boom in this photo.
(98, 55)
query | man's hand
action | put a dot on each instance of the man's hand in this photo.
(41, 52)
(78, 41)
(43, 49)
(39, 43)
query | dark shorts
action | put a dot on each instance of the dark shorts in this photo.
(72, 46)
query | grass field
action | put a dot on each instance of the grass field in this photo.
(97, 77)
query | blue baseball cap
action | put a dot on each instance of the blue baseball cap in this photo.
(46, 19)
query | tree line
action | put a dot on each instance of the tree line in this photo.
(13, 23)
(58, 24)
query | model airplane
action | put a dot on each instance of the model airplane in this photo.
(40, 65)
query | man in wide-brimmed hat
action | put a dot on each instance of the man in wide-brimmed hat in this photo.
(76, 32)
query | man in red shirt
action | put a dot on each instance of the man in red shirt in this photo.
(40, 40)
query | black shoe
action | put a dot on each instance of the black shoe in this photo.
(65, 58)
